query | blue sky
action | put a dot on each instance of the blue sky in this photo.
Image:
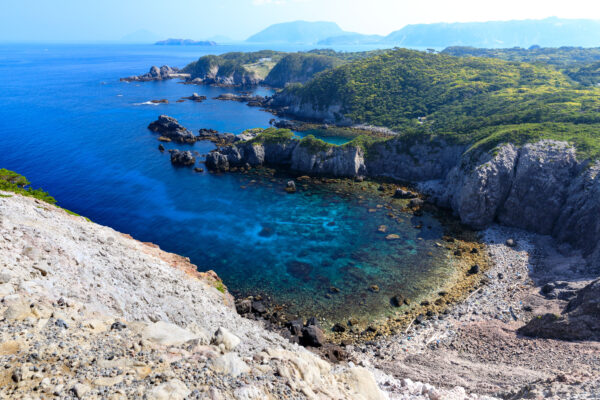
(106, 20)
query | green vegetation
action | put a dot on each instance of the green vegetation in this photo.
(272, 136)
(300, 67)
(258, 63)
(220, 287)
(588, 74)
(557, 56)
(314, 145)
(275, 68)
(12, 182)
(480, 101)
(585, 138)
(580, 64)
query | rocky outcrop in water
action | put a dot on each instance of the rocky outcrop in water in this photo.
(337, 161)
(170, 128)
(195, 97)
(248, 98)
(185, 158)
(540, 187)
(157, 74)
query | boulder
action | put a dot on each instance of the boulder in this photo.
(225, 339)
(290, 187)
(295, 327)
(185, 158)
(195, 97)
(580, 319)
(170, 390)
(168, 334)
(230, 364)
(170, 128)
(312, 336)
(404, 194)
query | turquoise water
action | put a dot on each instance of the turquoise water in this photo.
(70, 126)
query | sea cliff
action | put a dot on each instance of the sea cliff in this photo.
(541, 187)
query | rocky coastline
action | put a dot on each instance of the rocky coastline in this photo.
(157, 74)
(540, 187)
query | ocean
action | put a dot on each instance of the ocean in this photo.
(70, 126)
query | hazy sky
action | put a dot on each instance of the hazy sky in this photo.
(105, 20)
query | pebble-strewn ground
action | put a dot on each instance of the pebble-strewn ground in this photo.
(87, 312)
(475, 345)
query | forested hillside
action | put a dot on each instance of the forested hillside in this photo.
(413, 91)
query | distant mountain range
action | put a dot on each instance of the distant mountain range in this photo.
(185, 42)
(297, 32)
(549, 32)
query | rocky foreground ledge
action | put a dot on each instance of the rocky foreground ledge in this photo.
(88, 312)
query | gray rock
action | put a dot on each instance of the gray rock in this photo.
(540, 185)
(156, 74)
(579, 321)
(476, 191)
(312, 336)
(169, 127)
(185, 158)
(404, 194)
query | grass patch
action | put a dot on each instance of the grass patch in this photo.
(11, 181)
(272, 136)
(220, 287)
(584, 138)
(314, 145)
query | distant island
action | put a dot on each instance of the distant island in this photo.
(549, 32)
(185, 42)
(298, 32)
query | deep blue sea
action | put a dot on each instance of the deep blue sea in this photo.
(70, 126)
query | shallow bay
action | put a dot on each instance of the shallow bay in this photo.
(71, 127)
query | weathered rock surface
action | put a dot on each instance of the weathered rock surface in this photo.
(185, 158)
(250, 99)
(157, 74)
(169, 127)
(580, 320)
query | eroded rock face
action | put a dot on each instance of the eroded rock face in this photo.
(336, 161)
(578, 222)
(579, 321)
(157, 74)
(540, 185)
(413, 161)
(185, 158)
(476, 192)
(169, 127)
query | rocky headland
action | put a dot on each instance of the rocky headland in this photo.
(157, 74)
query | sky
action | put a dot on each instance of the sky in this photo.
(110, 20)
